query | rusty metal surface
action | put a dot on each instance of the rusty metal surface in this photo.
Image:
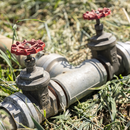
(60, 94)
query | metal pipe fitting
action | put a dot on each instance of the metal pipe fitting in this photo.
(21, 109)
(64, 89)
(103, 45)
(123, 50)
(67, 84)
(54, 64)
(17, 111)
(70, 83)
(76, 83)
(33, 81)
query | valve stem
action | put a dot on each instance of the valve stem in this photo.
(98, 27)
(30, 64)
(98, 21)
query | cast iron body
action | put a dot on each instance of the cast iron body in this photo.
(33, 81)
(103, 45)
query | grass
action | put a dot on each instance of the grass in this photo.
(61, 26)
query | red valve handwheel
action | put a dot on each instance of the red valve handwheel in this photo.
(27, 47)
(96, 14)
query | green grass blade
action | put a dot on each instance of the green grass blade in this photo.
(30, 19)
(113, 105)
(37, 125)
(5, 57)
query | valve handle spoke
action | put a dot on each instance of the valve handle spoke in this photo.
(27, 47)
(96, 14)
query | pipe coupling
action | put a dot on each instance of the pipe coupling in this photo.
(21, 110)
